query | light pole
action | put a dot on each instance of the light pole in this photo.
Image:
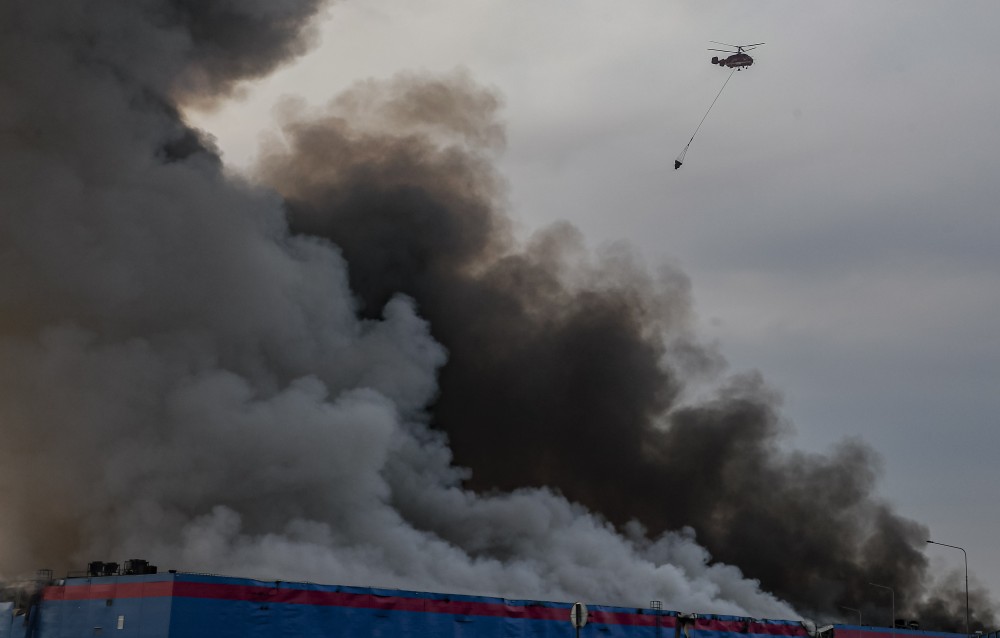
(892, 623)
(966, 554)
(853, 609)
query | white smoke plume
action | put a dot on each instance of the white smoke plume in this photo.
(186, 381)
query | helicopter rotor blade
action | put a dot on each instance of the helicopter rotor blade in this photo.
(737, 46)
(721, 50)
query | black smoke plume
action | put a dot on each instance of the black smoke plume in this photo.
(186, 380)
(575, 372)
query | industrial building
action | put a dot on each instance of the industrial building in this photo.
(137, 602)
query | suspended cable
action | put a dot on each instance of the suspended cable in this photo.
(680, 158)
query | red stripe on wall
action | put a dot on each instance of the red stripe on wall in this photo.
(749, 627)
(109, 590)
(220, 591)
(289, 595)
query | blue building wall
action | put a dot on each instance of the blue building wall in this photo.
(7, 620)
(17, 622)
(107, 607)
(203, 606)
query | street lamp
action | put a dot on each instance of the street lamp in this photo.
(853, 609)
(966, 581)
(892, 623)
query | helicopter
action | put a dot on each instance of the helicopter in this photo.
(739, 59)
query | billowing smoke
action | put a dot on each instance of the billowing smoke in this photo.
(187, 379)
(580, 372)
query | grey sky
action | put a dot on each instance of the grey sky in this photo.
(836, 213)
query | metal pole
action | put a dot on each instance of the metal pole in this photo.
(853, 609)
(893, 622)
(966, 554)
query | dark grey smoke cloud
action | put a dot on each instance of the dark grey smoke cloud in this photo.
(186, 380)
(575, 371)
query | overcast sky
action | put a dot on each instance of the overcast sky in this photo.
(837, 212)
